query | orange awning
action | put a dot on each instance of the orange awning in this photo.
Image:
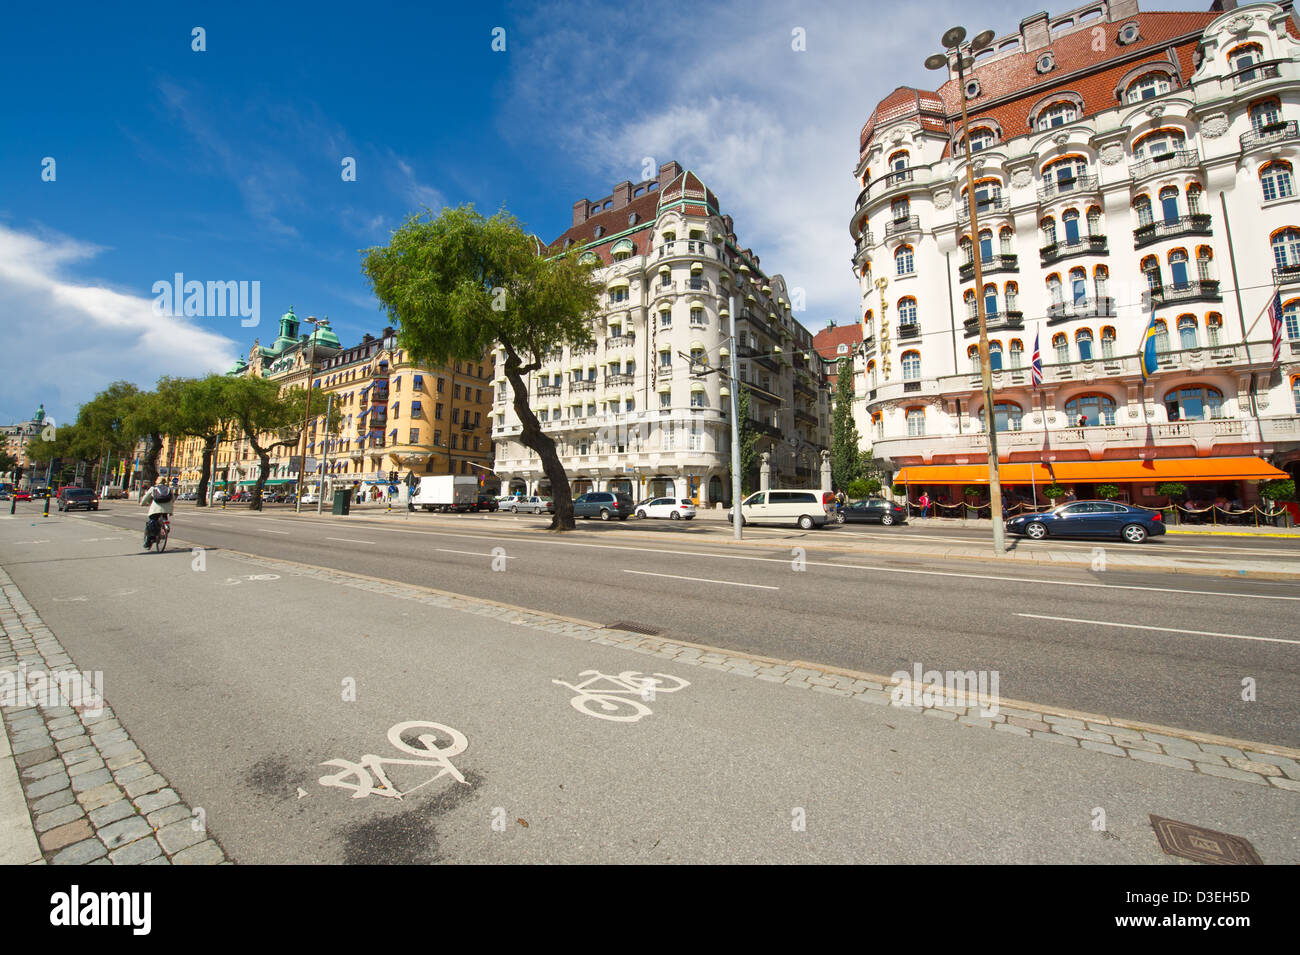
(1121, 472)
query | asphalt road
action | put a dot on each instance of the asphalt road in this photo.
(1147, 646)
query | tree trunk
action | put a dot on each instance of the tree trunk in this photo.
(264, 468)
(531, 436)
(152, 451)
(205, 475)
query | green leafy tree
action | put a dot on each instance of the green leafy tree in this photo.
(1174, 490)
(1107, 492)
(846, 451)
(7, 462)
(1281, 489)
(269, 418)
(748, 442)
(204, 413)
(152, 415)
(104, 428)
(457, 284)
(863, 487)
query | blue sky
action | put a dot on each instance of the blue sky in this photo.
(225, 164)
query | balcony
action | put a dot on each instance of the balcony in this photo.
(1081, 245)
(619, 381)
(1165, 162)
(1011, 320)
(802, 386)
(582, 384)
(620, 341)
(1202, 291)
(768, 362)
(896, 180)
(864, 244)
(989, 265)
(805, 417)
(901, 226)
(762, 427)
(1055, 188)
(548, 391)
(582, 350)
(1270, 133)
(987, 207)
(1266, 70)
(1059, 312)
(1287, 275)
(1197, 224)
(909, 330)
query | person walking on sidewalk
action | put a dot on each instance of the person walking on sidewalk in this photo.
(924, 503)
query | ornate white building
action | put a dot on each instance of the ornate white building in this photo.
(627, 413)
(1124, 162)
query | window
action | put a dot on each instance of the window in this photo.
(1203, 259)
(1064, 174)
(455, 416)
(1062, 346)
(618, 294)
(987, 194)
(1295, 393)
(1017, 353)
(441, 384)
(1244, 57)
(699, 399)
(1108, 342)
(397, 409)
(1005, 238)
(915, 422)
(1054, 289)
(991, 300)
(1070, 220)
(697, 316)
(1194, 403)
(1083, 339)
(1286, 248)
(982, 138)
(665, 277)
(437, 439)
(1194, 195)
(1006, 416)
(415, 436)
(969, 298)
(1187, 331)
(1079, 286)
(1275, 180)
(1049, 231)
(456, 395)
(901, 209)
(1147, 87)
(1058, 114)
(967, 256)
(912, 366)
(1178, 269)
(898, 161)
(665, 319)
(419, 383)
(437, 411)
(1169, 203)
(1094, 221)
(1097, 409)
(1214, 329)
(1142, 205)
(907, 311)
(903, 260)
(1151, 270)
(665, 399)
(665, 360)
(995, 356)
(1013, 293)
(1265, 115)
(973, 355)
(986, 246)
(1291, 319)
(1162, 338)
(1161, 144)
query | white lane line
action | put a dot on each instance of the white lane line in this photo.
(1047, 582)
(702, 580)
(348, 540)
(1138, 626)
(266, 531)
(472, 553)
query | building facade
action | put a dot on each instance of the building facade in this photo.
(627, 412)
(17, 437)
(1128, 166)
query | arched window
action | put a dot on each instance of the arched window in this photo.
(1157, 145)
(899, 161)
(1214, 329)
(1194, 196)
(1194, 403)
(986, 245)
(1286, 248)
(911, 366)
(1265, 114)
(1242, 58)
(1070, 221)
(1054, 289)
(1101, 282)
(907, 311)
(1006, 416)
(990, 300)
(1275, 180)
(987, 194)
(904, 260)
(1162, 338)
(1107, 343)
(1291, 319)
(1178, 269)
(1017, 352)
(973, 355)
(1187, 331)
(967, 256)
(1062, 346)
(901, 209)
(1048, 226)
(1142, 205)
(995, 356)
(871, 373)
(1295, 393)
(1094, 221)
(1063, 175)
(1147, 86)
(1005, 238)
(1057, 114)
(1151, 269)
(1169, 203)
(1079, 285)
(981, 137)
(1083, 339)
(1013, 295)
(969, 298)
(1204, 262)
(1095, 409)
(915, 422)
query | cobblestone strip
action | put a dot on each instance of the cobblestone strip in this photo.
(91, 793)
(1259, 763)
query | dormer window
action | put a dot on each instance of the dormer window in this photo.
(1045, 63)
(1058, 114)
(982, 138)
(1148, 86)
(1129, 33)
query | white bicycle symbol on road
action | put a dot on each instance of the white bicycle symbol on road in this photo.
(620, 699)
(430, 753)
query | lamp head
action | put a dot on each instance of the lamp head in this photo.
(953, 37)
(936, 61)
(981, 41)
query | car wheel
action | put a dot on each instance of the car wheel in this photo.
(1036, 531)
(806, 523)
(1134, 533)
(604, 514)
(675, 516)
(641, 515)
(887, 519)
(840, 518)
(514, 509)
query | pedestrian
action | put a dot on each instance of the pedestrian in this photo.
(924, 502)
(1069, 495)
(1083, 421)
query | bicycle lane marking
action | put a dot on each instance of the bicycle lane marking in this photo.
(630, 689)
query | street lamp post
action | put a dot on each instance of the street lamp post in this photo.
(306, 415)
(952, 42)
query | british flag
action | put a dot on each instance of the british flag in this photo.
(1036, 364)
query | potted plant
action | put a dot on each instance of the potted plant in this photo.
(1277, 492)
(1107, 492)
(1053, 492)
(1174, 492)
(969, 492)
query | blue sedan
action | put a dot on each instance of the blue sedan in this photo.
(1090, 519)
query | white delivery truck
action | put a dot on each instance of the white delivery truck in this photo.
(446, 492)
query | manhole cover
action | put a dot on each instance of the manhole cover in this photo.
(634, 628)
(1203, 845)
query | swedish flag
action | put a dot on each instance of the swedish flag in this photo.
(1147, 350)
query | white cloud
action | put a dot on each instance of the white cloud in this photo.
(68, 338)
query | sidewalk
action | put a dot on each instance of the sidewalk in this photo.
(749, 759)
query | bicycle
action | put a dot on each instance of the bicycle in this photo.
(158, 539)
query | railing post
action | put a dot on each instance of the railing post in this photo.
(46, 512)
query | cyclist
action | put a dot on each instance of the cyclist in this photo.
(160, 499)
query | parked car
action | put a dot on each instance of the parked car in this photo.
(485, 502)
(807, 509)
(1090, 519)
(532, 505)
(311, 497)
(21, 495)
(606, 505)
(874, 510)
(71, 498)
(673, 508)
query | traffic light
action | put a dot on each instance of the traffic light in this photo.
(392, 477)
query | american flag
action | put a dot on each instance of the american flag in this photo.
(1036, 364)
(1275, 320)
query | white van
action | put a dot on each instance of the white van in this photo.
(806, 509)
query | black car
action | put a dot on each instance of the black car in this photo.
(1090, 519)
(74, 497)
(485, 502)
(874, 510)
(606, 505)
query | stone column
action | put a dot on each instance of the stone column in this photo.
(826, 471)
(765, 470)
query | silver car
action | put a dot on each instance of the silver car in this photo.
(530, 505)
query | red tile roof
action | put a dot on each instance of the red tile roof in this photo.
(827, 343)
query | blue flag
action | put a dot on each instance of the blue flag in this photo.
(1147, 350)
